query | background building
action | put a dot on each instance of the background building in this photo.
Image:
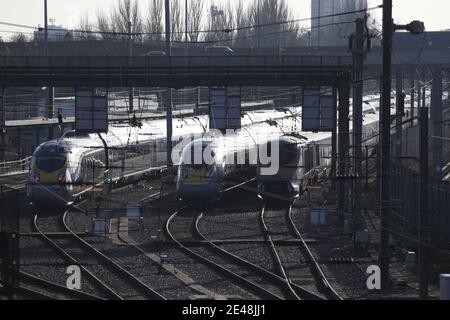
(330, 31)
(55, 33)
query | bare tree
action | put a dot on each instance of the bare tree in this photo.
(343, 23)
(272, 21)
(241, 22)
(127, 11)
(155, 20)
(104, 26)
(221, 18)
(19, 38)
(176, 22)
(85, 29)
(226, 29)
(195, 16)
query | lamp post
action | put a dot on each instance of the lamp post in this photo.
(50, 96)
(169, 90)
(415, 27)
(186, 25)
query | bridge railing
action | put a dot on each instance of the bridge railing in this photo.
(174, 62)
(175, 72)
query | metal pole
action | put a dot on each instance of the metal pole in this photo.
(424, 97)
(399, 116)
(319, 25)
(259, 28)
(343, 147)
(334, 142)
(419, 94)
(423, 213)
(358, 56)
(378, 160)
(2, 122)
(130, 54)
(169, 90)
(186, 26)
(388, 28)
(413, 97)
(367, 167)
(19, 143)
(45, 29)
(51, 93)
(106, 174)
(436, 121)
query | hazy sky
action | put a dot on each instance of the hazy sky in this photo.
(435, 13)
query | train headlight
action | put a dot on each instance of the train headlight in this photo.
(60, 178)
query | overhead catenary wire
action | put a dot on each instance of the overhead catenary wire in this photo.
(231, 39)
(228, 30)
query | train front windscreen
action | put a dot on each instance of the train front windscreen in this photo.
(193, 167)
(49, 165)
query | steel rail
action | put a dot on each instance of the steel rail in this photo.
(255, 268)
(324, 284)
(219, 268)
(273, 248)
(141, 286)
(109, 291)
(52, 290)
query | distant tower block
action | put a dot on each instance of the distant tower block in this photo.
(328, 31)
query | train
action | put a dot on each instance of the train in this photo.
(305, 156)
(298, 156)
(209, 164)
(70, 167)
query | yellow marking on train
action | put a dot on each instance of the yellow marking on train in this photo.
(196, 176)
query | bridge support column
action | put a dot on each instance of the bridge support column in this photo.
(343, 147)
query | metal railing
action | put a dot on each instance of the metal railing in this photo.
(122, 62)
(15, 167)
(123, 71)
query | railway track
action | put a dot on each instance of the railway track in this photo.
(290, 291)
(41, 289)
(268, 235)
(277, 227)
(184, 226)
(103, 273)
(323, 284)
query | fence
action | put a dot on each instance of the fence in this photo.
(15, 167)
(405, 192)
(9, 239)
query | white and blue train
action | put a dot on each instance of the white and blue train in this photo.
(62, 170)
(299, 153)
